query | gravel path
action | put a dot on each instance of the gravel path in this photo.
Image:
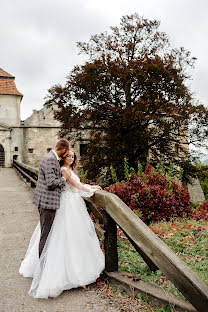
(18, 220)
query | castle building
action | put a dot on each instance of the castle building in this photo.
(29, 140)
(11, 133)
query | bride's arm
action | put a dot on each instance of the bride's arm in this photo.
(82, 187)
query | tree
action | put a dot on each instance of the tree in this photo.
(132, 94)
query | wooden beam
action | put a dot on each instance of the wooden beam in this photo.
(29, 168)
(94, 210)
(165, 259)
(25, 174)
(123, 281)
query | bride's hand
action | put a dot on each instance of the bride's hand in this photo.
(96, 187)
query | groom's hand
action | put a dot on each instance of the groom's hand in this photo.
(66, 174)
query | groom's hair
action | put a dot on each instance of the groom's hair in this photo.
(61, 144)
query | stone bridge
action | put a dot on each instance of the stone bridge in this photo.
(18, 219)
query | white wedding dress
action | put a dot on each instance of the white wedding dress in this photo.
(72, 256)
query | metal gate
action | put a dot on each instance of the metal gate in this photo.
(2, 156)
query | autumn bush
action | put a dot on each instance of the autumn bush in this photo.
(199, 211)
(153, 196)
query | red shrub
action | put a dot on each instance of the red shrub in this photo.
(200, 211)
(153, 196)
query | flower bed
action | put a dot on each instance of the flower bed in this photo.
(200, 211)
(152, 196)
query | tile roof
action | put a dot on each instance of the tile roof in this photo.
(3, 73)
(7, 84)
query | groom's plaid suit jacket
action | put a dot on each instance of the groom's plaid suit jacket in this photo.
(50, 183)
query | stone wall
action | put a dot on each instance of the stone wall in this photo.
(11, 135)
(10, 109)
(195, 191)
(41, 134)
(5, 142)
(37, 142)
(17, 144)
(12, 141)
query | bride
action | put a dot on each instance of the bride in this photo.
(72, 256)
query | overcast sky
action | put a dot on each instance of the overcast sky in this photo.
(38, 38)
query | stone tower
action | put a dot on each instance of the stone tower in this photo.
(11, 136)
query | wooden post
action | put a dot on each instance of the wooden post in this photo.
(110, 243)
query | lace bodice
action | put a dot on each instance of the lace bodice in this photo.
(70, 187)
(74, 185)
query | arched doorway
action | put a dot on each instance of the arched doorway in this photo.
(2, 156)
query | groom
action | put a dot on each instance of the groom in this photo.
(48, 190)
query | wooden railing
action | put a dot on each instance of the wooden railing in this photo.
(28, 173)
(114, 212)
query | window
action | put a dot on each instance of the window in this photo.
(15, 157)
(83, 149)
(16, 149)
(49, 149)
(30, 150)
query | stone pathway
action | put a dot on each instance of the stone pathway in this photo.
(18, 220)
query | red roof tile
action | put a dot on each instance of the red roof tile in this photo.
(7, 84)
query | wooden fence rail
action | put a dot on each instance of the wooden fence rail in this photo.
(114, 212)
(27, 172)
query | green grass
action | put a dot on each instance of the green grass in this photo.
(187, 238)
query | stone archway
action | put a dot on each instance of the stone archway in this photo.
(2, 156)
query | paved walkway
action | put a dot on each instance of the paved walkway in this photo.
(18, 220)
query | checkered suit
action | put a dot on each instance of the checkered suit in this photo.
(50, 183)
